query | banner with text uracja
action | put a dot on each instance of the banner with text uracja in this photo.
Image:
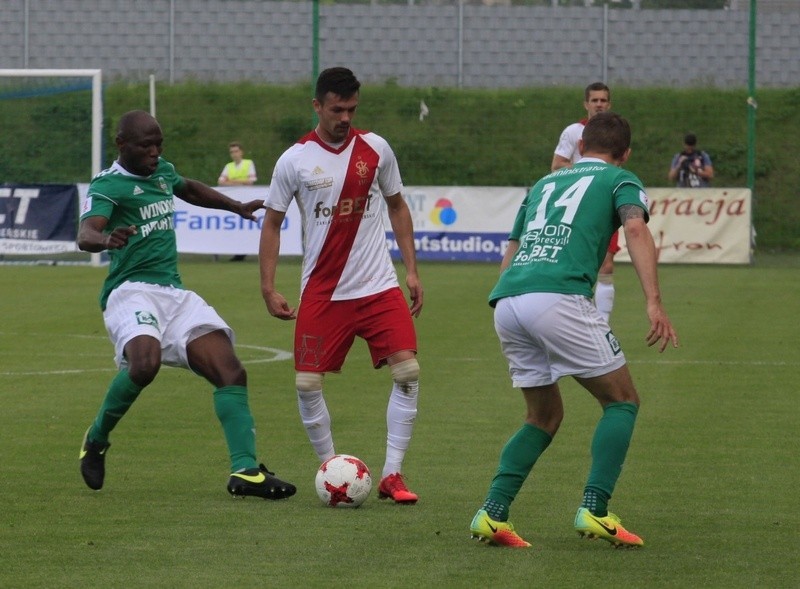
(699, 226)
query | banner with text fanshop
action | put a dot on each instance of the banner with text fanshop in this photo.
(213, 231)
(38, 218)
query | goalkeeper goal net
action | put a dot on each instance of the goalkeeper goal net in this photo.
(52, 123)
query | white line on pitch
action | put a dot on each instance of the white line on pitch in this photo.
(717, 362)
(278, 356)
(771, 363)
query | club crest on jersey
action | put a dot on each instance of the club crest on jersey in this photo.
(362, 168)
(162, 185)
(146, 318)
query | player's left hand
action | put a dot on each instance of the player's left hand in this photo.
(415, 294)
(661, 329)
(278, 307)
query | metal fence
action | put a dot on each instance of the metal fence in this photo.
(424, 43)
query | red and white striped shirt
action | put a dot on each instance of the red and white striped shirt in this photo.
(340, 192)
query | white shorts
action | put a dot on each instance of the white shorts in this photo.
(174, 316)
(545, 336)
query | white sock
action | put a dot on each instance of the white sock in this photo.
(604, 297)
(400, 416)
(317, 421)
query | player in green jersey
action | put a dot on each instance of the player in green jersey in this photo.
(151, 319)
(549, 327)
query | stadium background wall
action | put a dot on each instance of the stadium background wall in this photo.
(446, 45)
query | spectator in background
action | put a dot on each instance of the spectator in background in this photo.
(691, 168)
(238, 172)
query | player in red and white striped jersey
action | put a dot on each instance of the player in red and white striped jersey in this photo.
(341, 177)
(597, 99)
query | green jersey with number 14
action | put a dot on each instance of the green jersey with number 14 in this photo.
(147, 203)
(564, 226)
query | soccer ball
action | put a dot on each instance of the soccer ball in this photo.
(343, 481)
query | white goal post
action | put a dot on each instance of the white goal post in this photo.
(96, 76)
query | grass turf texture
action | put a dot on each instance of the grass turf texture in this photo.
(709, 482)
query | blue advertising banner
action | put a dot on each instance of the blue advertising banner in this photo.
(459, 223)
(38, 218)
(454, 246)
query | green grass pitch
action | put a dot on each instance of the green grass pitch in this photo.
(710, 482)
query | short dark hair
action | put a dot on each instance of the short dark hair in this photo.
(596, 87)
(690, 139)
(337, 80)
(607, 132)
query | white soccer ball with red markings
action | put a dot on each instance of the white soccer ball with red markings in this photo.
(343, 481)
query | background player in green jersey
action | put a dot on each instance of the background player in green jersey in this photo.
(549, 328)
(151, 319)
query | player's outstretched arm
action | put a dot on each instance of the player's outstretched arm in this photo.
(643, 255)
(199, 194)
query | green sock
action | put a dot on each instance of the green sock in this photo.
(609, 447)
(595, 501)
(122, 392)
(516, 461)
(233, 412)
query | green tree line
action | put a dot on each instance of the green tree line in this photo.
(470, 137)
